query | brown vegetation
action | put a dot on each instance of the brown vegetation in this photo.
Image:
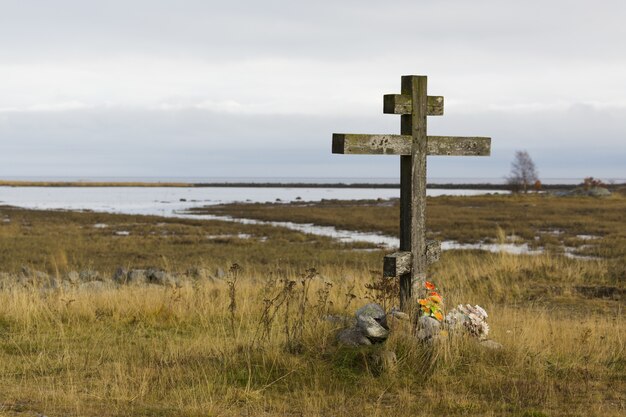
(256, 342)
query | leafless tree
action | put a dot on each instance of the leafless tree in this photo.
(523, 172)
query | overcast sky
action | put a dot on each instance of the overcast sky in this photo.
(256, 88)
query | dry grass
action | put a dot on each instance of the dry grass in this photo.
(58, 241)
(464, 219)
(151, 350)
(162, 351)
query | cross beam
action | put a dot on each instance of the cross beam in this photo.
(347, 143)
(413, 105)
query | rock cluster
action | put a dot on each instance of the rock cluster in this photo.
(589, 192)
(95, 280)
(145, 276)
(592, 192)
(371, 327)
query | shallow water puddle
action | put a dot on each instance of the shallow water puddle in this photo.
(512, 248)
(382, 241)
(230, 236)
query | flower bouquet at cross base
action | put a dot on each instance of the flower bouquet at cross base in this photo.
(472, 319)
(432, 305)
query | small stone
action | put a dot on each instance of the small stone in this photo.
(73, 277)
(89, 275)
(137, 276)
(121, 275)
(352, 336)
(491, 344)
(427, 328)
(397, 314)
(372, 321)
(199, 274)
(160, 277)
(92, 286)
(33, 278)
(50, 284)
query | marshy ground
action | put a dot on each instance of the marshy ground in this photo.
(254, 341)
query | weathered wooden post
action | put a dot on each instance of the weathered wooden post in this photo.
(413, 145)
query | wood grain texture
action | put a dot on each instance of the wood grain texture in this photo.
(362, 144)
(396, 264)
(419, 150)
(399, 263)
(402, 104)
(347, 143)
(459, 146)
(406, 198)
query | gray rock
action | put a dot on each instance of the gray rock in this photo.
(591, 192)
(397, 314)
(137, 276)
(92, 286)
(491, 344)
(372, 321)
(199, 274)
(599, 192)
(160, 277)
(50, 284)
(89, 275)
(427, 328)
(352, 336)
(32, 278)
(73, 277)
(120, 275)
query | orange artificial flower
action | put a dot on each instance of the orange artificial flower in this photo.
(429, 285)
(438, 315)
(435, 293)
(423, 301)
(435, 298)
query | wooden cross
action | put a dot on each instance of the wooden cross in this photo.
(413, 144)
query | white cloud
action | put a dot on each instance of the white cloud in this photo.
(287, 74)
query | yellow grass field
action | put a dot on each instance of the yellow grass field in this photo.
(257, 341)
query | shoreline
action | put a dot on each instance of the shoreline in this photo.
(338, 185)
